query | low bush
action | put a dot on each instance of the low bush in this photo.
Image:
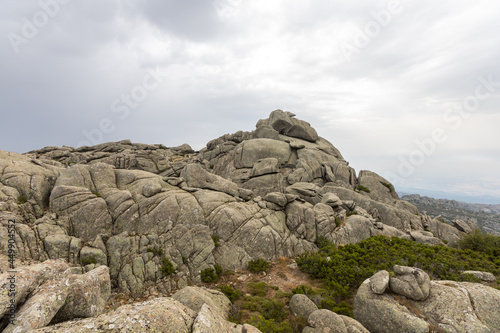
(167, 268)
(269, 325)
(231, 293)
(344, 268)
(257, 288)
(211, 274)
(259, 265)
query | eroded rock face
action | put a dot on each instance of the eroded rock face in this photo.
(450, 306)
(135, 207)
(49, 292)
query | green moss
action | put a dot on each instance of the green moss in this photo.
(21, 199)
(389, 186)
(363, 188)
(156, 251)
(88, 261)
(215, 238)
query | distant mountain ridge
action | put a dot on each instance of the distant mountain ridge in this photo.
(487, 216)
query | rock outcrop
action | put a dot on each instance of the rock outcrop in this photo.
(415, 304)
(50, 292)
(194, 310)
(134, 207)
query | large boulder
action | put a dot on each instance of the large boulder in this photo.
(156, 315)
(301, 305)
(285, 123)
(411, 282)
(325, 321)
(382, 314)
(195, 297)
(449, 307)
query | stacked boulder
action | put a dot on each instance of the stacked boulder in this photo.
(411, 302)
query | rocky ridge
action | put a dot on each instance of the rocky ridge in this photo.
(264, 194)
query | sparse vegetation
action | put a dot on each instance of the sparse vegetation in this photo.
(167, 268)
(21, 199)
(257, 288)
(97, 194)
(231, 293)
(156, 251)
(363, 188)
(211, 274)
(481, 242)
(389, 186)
(344, 268)
(88, 261)
(259, 265)
(215, 238)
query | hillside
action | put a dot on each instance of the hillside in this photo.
(129, 235)
(487, 217)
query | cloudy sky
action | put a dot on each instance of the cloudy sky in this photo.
(409, 89)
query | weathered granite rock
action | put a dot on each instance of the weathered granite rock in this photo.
(450, 307)
(379, 282)
(301, 305)
(382, 314)
(195, 297)
(352, 325)
(156, 315)
(411, 282)
(41, 307)
(196, 176)
(87, 295)
(326, 321)
(486, 277)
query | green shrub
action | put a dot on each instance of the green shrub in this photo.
(167, 268)
(352, 213)
(156, 251)
(259, 265)
(211, 274)
(322, 241)
(21, 199)
(344, 268)
(338, 221)
(231, 293)
(269, 325)
(97, 194)
(481, 242)
(363, 188)
(257, 288)
(215, 238)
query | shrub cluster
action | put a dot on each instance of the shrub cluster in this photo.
(167, 268)
(259, 265)
(211, 274)
(344, 268)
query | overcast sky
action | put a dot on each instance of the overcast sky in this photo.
(409, 89)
